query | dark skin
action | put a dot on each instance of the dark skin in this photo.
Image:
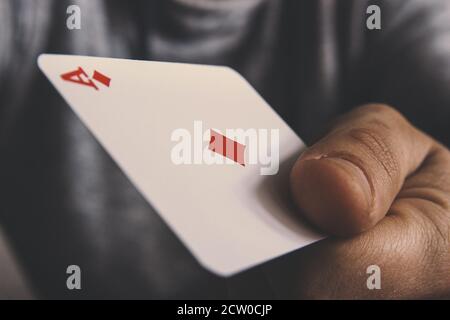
(381, 188)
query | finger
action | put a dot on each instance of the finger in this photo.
(347, 181)
(412, 265)
(410, 247)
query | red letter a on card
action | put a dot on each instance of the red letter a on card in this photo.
(76, 77)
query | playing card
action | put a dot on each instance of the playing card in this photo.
(200, 144)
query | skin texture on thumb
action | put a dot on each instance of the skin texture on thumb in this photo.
(346, 182)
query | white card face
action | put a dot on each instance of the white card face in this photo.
(173, 129)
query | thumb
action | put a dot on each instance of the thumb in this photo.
(346, 182)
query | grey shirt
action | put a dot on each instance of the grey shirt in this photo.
(64, 201)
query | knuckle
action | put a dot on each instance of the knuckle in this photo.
(380, 108)
(445, 153)
(375, 144)
(384, 114)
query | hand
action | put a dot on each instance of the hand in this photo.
(383, 188)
